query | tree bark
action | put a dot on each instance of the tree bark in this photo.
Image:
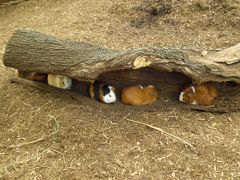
(33, 51)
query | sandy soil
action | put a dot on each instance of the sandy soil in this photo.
(64, 138)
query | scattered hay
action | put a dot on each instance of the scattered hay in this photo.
(10, 2)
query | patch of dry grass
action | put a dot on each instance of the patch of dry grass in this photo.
(93, 140)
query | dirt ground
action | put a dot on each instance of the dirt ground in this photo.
(50, 136)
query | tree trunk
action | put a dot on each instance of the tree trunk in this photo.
(34, 51)
(168, 69)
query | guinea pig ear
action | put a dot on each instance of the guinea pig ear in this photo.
(113, 88)
(154, 94)
(105, 89)
(193, 89)
(150, 86)
(181, 96)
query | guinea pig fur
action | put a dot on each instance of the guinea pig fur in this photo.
(139, 95)
(33, 76)
(102, 92)
(59, 81)
(203, 94)
(187, 95)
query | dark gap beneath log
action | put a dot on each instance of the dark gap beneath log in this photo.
(80, 87)
(169, 84)
(159, 106)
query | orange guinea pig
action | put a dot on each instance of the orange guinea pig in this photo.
(33, 76)
(139, 95)
(203, 94)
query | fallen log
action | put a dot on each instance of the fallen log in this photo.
(33, 51)
(166, 68)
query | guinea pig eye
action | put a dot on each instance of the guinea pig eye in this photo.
(110, 95)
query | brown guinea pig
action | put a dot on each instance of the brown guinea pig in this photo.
(203, 94)
(139, 95)
(33, 76)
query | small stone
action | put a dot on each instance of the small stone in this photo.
(214, 124)
(204, 53)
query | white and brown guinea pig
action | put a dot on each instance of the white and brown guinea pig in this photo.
(33, 76)
(59, 81)
(102, 92)
(139, 95)
(203, 94)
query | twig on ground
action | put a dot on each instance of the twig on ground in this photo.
(164, 157)
(161, 130)
(11, 2)
(13, 146)
(64, 160)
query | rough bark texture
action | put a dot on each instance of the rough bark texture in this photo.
(34, 51)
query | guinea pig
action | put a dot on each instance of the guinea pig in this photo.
(102, 92)
(33, 76)
(203, 94)
(59, 81)
(139, 95)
